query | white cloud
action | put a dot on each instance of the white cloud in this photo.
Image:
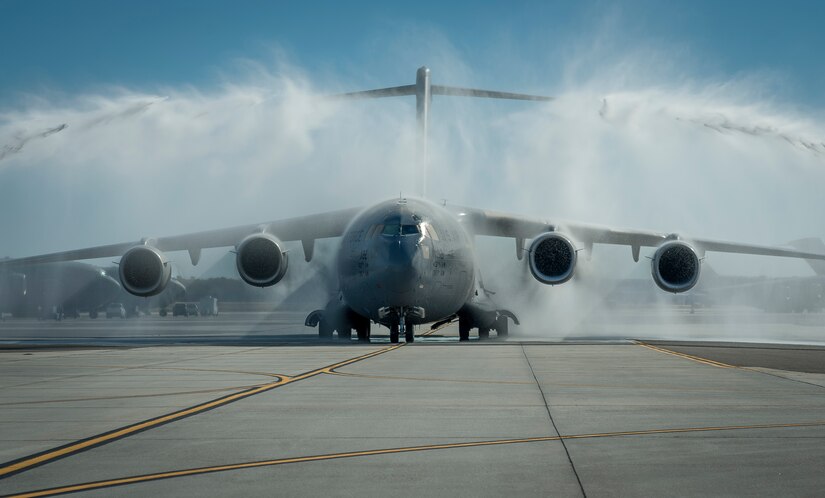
(708, 159)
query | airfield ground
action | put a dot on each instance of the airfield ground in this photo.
(251, 404)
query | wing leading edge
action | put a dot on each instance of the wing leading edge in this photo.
(480, 222)
(495, 224)
(303, 228)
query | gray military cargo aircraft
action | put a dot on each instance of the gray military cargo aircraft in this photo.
(55, 289)
(406, 262)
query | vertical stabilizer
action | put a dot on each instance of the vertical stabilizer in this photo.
(424, 91)
(423, 98)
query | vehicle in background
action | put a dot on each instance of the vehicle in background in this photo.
(179, 309)
(133, 310)
(192, 309)
(182, 309)
(143, 306)
(115, 310)
(209, 306)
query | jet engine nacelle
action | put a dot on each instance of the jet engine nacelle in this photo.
(552, 258)
(261, 261)
(675, 267)
(144, 271)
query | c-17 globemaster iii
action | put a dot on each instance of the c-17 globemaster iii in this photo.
(406, 262)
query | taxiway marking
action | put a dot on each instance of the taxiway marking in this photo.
(686, 356)
(121, 368)
(25, 463)
(128, 396)
(387, 451)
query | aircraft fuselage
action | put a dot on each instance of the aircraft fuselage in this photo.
(69, 285)
(406, 257)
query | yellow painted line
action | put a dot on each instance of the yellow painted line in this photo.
(697, 359)
(430, 379)
(69, 449)
(243, 372)
(123, 368)
(128, 396)
(433, 331)
(387, 451)
(333, 371)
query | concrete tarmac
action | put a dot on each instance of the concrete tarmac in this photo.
(253, 405)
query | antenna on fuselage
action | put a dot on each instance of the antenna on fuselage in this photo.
(424, 91)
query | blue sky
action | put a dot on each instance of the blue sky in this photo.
(55, 46)
(699, 117)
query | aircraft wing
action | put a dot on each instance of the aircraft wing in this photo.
(303, 228)
(491, 223)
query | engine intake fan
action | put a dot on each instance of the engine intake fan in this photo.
(552, 258)
(675, 267)
(261, 261)
(144, 271)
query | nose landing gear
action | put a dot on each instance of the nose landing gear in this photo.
(402, 325)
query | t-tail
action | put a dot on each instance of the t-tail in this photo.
(424, 91)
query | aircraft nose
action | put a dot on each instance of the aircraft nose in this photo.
(402, 266)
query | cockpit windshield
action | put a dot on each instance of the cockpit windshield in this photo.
(391, 229)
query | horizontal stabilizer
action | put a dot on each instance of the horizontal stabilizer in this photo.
(456, 91)
(811, 245)
(396, 91)
(452, 91)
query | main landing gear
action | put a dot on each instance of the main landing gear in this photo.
(331, 319)
(409, 332)
(362, 328)
(498, 322)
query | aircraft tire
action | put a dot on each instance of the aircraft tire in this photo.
(409, 332)
(364, 332)
(346, 334)
(394, 334)
(463, 329)
(483, 333)
(502, 326)
(324, 329)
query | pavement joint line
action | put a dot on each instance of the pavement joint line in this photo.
(426, 379)
(799, 381)
(723, 365)
(108, 483)
(19, 465)
(686, 356)
(553, 422)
